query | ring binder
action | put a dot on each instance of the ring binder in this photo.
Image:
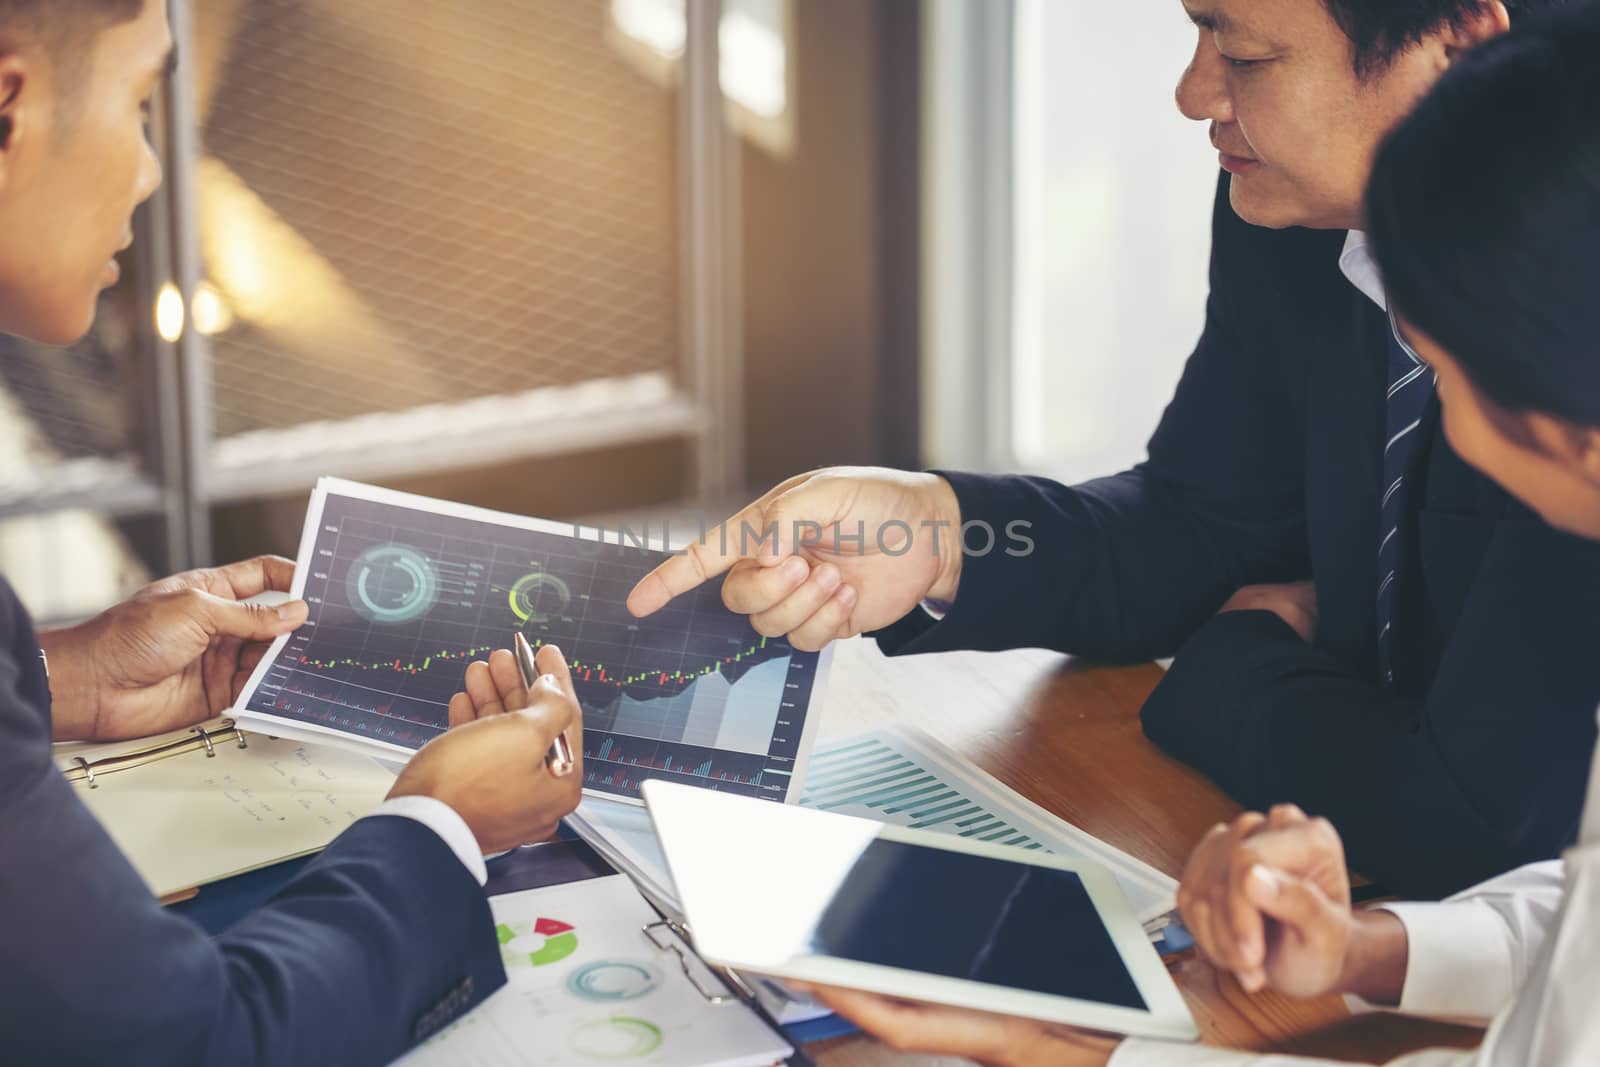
(196, 739)
(188, 810)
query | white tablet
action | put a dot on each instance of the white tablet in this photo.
(794, 893)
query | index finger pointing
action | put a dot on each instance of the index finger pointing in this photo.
(712, 555)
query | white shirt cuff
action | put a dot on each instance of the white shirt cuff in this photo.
(1458, 961)
(443, 820)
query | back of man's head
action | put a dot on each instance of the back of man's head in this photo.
(1379, 30)
(1484, 211)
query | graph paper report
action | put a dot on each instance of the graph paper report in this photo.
(405, 592)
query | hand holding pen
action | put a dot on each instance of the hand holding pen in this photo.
(494, 766)
(507, 681)
(559, 758)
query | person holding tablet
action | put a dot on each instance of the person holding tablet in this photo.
(386, 936)
(1484, 210)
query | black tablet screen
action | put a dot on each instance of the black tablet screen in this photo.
(972, 917)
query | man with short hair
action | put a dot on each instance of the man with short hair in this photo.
(386, 936)
(1384, 609)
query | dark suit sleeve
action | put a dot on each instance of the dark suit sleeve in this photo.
(382, 939)
(1431, 795)
(1127, 567)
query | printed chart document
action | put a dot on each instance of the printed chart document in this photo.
(585, 985)
(405, 591)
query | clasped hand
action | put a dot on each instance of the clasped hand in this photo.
(1267, 898)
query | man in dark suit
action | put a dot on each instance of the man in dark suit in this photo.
(1400, 646)
(383, 939)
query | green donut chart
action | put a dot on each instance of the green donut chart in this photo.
(535, 944)
(539, 597)
(620, 1037)
(391, 584)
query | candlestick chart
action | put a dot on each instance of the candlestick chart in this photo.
(403, 599)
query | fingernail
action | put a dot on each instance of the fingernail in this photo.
(795, 571)
(846, 595)
(291, 609)
(1262, 882)
(828, 579)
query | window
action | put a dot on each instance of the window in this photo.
(1066, 232)
(753, 40)
(1112, 197)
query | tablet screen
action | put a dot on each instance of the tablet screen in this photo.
(976, 918)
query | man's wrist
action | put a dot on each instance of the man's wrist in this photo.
(1375, 961)
(74, 698)
(947, 508)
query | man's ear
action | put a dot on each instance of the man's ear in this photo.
(1484, 23)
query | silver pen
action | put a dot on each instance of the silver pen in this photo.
(559, 758)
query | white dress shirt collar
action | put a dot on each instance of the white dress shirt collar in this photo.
(1358, 265)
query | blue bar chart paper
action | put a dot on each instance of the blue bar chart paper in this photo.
(902, 776)
(405, 591)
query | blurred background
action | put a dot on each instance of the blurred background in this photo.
(601, 258)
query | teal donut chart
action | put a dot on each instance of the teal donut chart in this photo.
(392, 584)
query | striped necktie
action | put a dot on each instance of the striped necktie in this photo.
(1410, 386)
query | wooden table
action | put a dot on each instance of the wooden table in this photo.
(1066, 735)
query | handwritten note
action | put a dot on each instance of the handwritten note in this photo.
(193, 819)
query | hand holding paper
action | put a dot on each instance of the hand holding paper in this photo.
(173, 655)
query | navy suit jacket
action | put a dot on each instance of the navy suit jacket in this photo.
(381, 940)
(1268, 467)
